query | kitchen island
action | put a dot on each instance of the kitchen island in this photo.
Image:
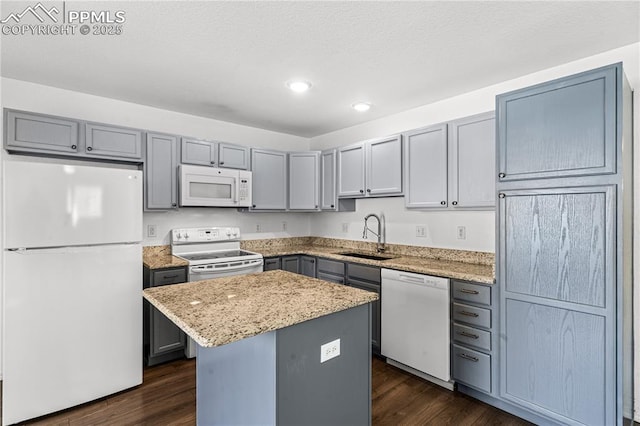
(260, 338)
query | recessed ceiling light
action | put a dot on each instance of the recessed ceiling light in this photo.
(299, 86)
(361, 106)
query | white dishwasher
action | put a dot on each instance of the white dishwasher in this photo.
(415, 322)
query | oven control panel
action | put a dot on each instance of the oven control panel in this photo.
(203, 235)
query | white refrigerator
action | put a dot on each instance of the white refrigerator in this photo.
(72, 281)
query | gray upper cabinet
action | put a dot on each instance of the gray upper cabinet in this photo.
(451, 165)
(563, 128)
(351, 171)
(425, 159)
(384, 166)
(328, 198)
(232, 156)
(472, 159)
(161, 172)
(371, 169)
(199, 152)
(269, 179)
(304, 176)
(214, 154)
(111, 141)
(35, 132)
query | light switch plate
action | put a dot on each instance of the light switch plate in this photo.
(329, 350)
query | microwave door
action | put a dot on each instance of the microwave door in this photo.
(210, 191)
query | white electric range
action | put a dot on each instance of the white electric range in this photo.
(212, 252)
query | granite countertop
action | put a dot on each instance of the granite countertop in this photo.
(225, 310)
(421, 265)
(457, 264)
(159, 257)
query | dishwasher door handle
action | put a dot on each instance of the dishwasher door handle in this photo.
(411, 279)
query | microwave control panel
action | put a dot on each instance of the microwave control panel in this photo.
(244, 189)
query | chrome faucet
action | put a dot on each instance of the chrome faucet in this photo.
(380, 234)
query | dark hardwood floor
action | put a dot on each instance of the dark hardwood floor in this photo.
(168, 397)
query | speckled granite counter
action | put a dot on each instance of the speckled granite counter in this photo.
(159, 257)
(457, 264)
(225, 310)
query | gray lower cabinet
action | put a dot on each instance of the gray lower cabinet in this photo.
(163, 340)
(368, 278)
(474, 337)
(161, 172)
(331, 270)
(563, 235)
(291, 263)
(304, 180)
(111, 141)
(269, 179)
(272, 263)
(40, 133)
(308, 266)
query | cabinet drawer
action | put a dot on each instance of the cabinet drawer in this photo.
(272, 263)
(472, 315)
(339, 279)
(331, 266)
(472, 336)
(472, 368)
(472, 292)
(169, 276)
(368, 273)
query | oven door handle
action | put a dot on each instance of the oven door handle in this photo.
(244, 265)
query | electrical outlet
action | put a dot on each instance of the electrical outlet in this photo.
(345, 228)
(258, 227)
(284, 226)
(462, 233)
(151, 231)
(421, 231)
(329, 350)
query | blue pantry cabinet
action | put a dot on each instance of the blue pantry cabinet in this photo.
(561, 244)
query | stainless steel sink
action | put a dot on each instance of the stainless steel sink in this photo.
(367, 256)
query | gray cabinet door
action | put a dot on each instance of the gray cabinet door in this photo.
(375, 311)
(272, 263)
(472, 159)
(558, 302)
(304, 175)
(384, 166)
(563, 128)
(199, 152)
(232, 156)
(308, 266)
(269, 179)
(161, 172)
(166, 336)
(291, 264)
(40, 132)
(110, 141)
(328, 199)
(425, 159)
(351, 171)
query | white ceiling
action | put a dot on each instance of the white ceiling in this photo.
(230, 60)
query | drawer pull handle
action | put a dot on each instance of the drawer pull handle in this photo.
(468, 314)
(465, 334)
(169, 277)
(468, 357)
(467, 291)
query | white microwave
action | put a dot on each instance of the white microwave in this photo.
(202, 186)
